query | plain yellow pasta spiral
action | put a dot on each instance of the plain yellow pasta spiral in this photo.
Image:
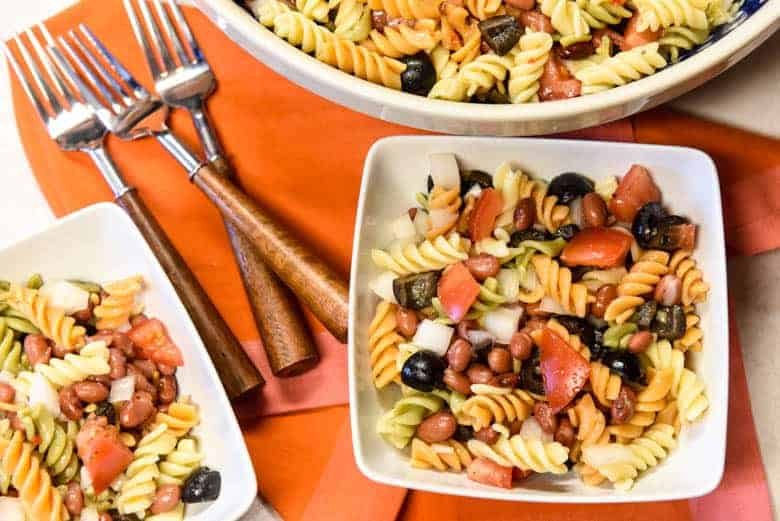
(694, 289)
(639, 281)
(52, 322)
(436, 254)
(590, 424)
(485, 72)
(119, 303)
(656, 14)
(678, 38)
(314, 9)
(497, 405)
(353, 20)
(383, 340)
(409, 9)
(180, 418)
(526, 454)
(567, 18)
(600, 13)
(180, 463)
(482, 9)
(624, 67)
(448, 202)
(687, 388)
(529, 56)
(604, 385)
(396, 42)
(557, 283)
(448, 455)
(140, 484)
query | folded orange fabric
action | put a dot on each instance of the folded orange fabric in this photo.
(301, 157)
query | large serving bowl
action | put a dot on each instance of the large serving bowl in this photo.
(756, 21)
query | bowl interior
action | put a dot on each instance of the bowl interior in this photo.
(397, 168)
(100, 243)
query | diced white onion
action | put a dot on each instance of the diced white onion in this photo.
(502, 323)
(122, 390)
(444, 170)
(65, 296)
(441, 218)
(600, 455)
(475, 190)
(422, 222)
(382, 286)
(86, 479)
(509, 284)
(575, 211)
(42, 392)
(433, 336)
(480, 339)
(11, 509)
(531, 430)
(550, 305)
(403, 227)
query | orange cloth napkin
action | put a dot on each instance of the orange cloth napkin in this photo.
(301, 157)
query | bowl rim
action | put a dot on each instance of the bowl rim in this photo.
(701, 487)
(291, 62)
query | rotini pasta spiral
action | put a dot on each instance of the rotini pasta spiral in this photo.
(139, 487)
(678, 38)
(489, 298)
(443, 63)
(533, 51)
(482, 9)
(353, 20)
(56, 444)
(451, 89)
(447, 201)
(657, 14)
(23, 470)
(314, 9)
(604, 385)
(10, 350)
(649, 401)
(119, 303)
(507, 182)
(620, 69)
(549, 213)
(485, 72)
(691, 340)
(590, 424)
(687, 389)
(52, 322)
(409, 9)
(91, 361)
(567, 18)
(383, 340)
(600, 13)
(180, 418)
(180, 463)
(430, 255)
(557, 283)
(640, 280)
(627, 461)
(448, 455)
(399, 424)
(526, 454)
(498, 405)
(694, 289)
(396, 42)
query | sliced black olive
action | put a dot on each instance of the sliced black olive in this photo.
(501, 33)
(647, 314)
(491, 97)
(567, 231)
(531, 234)
(531, 378)
(463, 433)
(424, 371)
(203, 485)
(569, 186)
(578, 326)
(419, 75)
(107, 410)
(647, 222)
(669, 322)
(598, 349)
(624, 364)
(417, 290)
(578, 271)
(469, 178)
(430, 184)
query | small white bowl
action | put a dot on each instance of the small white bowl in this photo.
(101, 243)
(396, 168)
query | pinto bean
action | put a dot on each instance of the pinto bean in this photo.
(515, 427)
(90, 392)
(576, 51)
(165, 499)
(604, 296)
(465, 326)
(122, 342)
(83, 315)
(533, 311)
(544, 415)
(138, 320)
(499, 360)
(669, 290)
(594, 210)
(525, 214)
(60, 351)
(74, 499)
(537, 21)
(166, 370)
(521, 345)
(533, 324)
(137, 410)
(483, 266)
(507, 379)
(479, 374)
(167, 388)
(378, 22)
(37, 349)
(104, 516)
(640, 341)
(565, 433)
(16, 421)
(437, 427)
(141, 383)
(103, 335)
(101, 379)
(7, 393)
(623, 406)
(457, 381)
(118, 363)
(487, 435)
(459, 355)
(146, 367)
(406, 321)
(70, 405)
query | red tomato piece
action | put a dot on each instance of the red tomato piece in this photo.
(634, 38)
(488, 472)
(103, 453)
(564, 370)
(457, 291)
(597, 247)
(682, 236)
(483, 219)
(152, 339)
(556, 81)
(635, 190)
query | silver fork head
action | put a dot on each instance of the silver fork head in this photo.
(183, 77)
(69, 118)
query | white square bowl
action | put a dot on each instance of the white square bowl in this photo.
(396, 168)
(101, 243)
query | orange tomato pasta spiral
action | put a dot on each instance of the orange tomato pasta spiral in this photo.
(590, 424)
(694, 289)
(448, 202)
(640, 280)
(447, 455)
(383, 340)
(604, 384)
(116, 307)
(52, 322)
(557, 283)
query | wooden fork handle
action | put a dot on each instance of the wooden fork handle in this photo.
(238, 374)
(286, 339)
(316, 284)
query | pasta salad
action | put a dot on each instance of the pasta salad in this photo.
(537, 327)
(92, 423)
(496, 51)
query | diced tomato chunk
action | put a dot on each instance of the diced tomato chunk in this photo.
(486, 210)
(635, 190)
(103, 453)
(488, 472)
(682, 236)
(597, 247)
(152, 340)
(564, 370)
(556, 82)
(457, 291)
(632, 37)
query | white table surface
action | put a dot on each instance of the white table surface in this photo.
(745, 96)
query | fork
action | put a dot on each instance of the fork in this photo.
(77, 125)
(131, 112)
(185, 80)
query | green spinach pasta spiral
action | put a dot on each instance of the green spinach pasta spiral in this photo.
(56, 443)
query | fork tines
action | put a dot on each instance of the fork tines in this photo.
(179, 35)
